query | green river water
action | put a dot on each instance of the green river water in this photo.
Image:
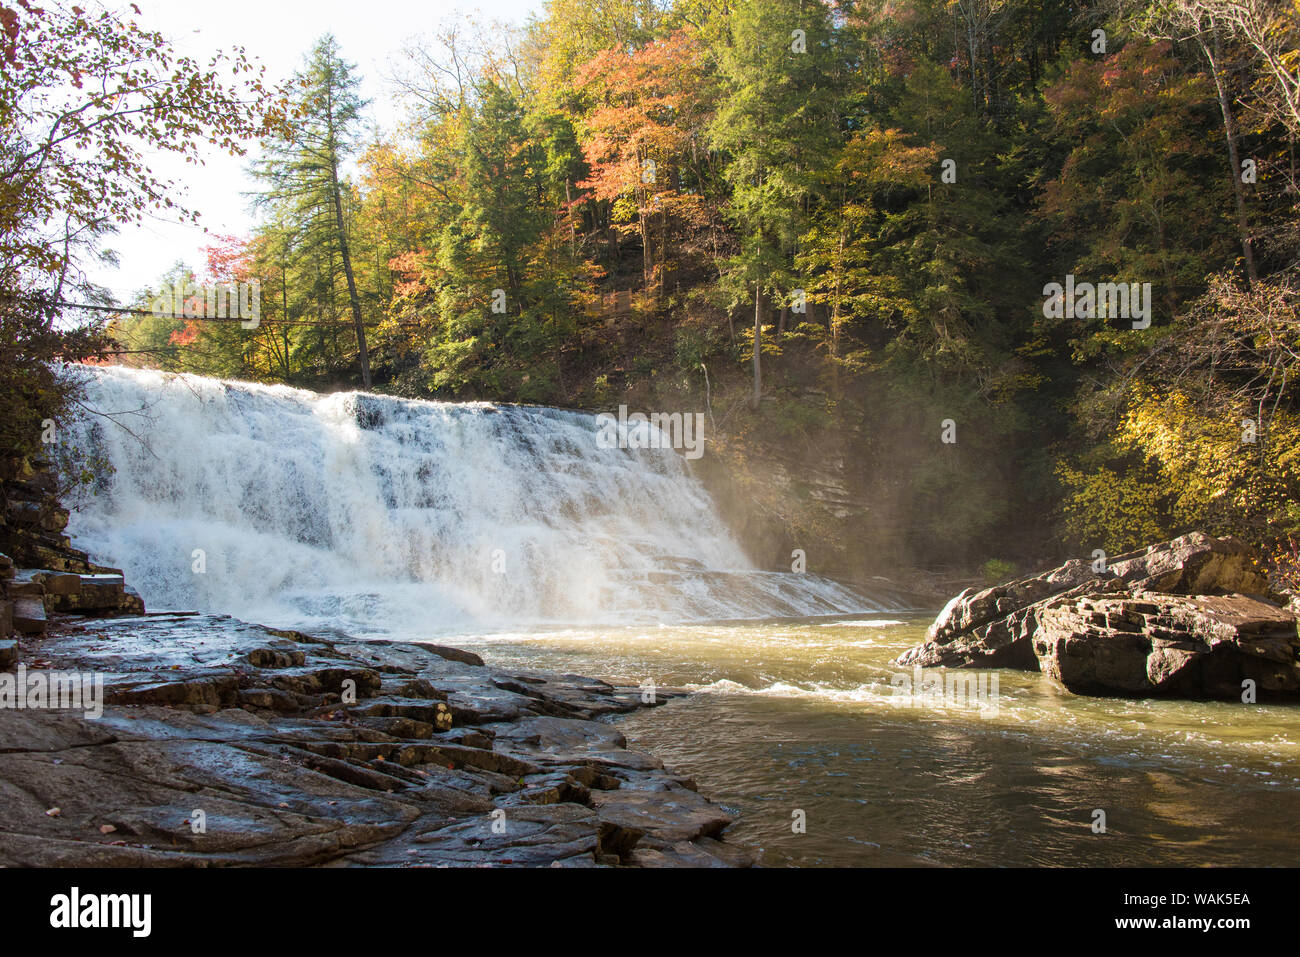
(802, 717)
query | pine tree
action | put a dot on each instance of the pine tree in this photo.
(302, 170)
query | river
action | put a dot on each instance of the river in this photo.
(489, 526)
(805, 716)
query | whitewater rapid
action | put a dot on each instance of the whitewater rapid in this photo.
(381, 516)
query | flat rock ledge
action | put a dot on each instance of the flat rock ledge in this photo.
(228, 743)
(1192, 617)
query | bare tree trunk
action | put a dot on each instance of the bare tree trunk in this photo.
(573, 229)
(352, 287)
(647, 254)
(1234, 157)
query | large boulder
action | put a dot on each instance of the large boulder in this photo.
(1156, 644)
(994, 627)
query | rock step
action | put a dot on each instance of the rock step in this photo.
(84, 593)
(72, 593)
(29, 616)
(59, 583)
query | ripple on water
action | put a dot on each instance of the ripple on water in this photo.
(803, 717)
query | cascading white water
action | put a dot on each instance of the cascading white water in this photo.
(382, 516)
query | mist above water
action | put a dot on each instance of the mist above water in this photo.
(383, 516)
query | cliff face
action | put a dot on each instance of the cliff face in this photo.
(31, 519)
(777, 498)
(775, 506)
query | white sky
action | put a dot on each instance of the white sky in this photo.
(278, 34)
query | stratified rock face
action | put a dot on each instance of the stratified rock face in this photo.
(225, 743)
(993, 627)
(1129, 629)
(32, 520)
(1154, 644)
(41, 574)
(1193, 564)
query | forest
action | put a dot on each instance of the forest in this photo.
(863, 237)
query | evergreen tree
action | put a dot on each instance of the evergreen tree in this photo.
(302, 170)
(778, 123)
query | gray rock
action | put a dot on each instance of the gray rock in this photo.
(994, 627)
(1154, 644)
(29, 616)
(245, 727)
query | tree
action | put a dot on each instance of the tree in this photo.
(1259, 39)
(841, 252)
(84, 98)
(302, 172)
(574, 31)
(1136, 199)
(1197, 21)
(980, 22)
(1271, 29)
(778, 122)
(646, 119)
(497, 291)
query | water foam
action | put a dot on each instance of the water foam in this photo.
(376, 515)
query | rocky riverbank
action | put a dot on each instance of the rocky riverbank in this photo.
(225, 743)
(1193, 617)
(132, 739)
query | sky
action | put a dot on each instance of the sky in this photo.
(278, 34)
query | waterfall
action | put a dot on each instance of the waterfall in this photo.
(383, 516)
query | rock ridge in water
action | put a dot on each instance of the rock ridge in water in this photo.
(1191, 617)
